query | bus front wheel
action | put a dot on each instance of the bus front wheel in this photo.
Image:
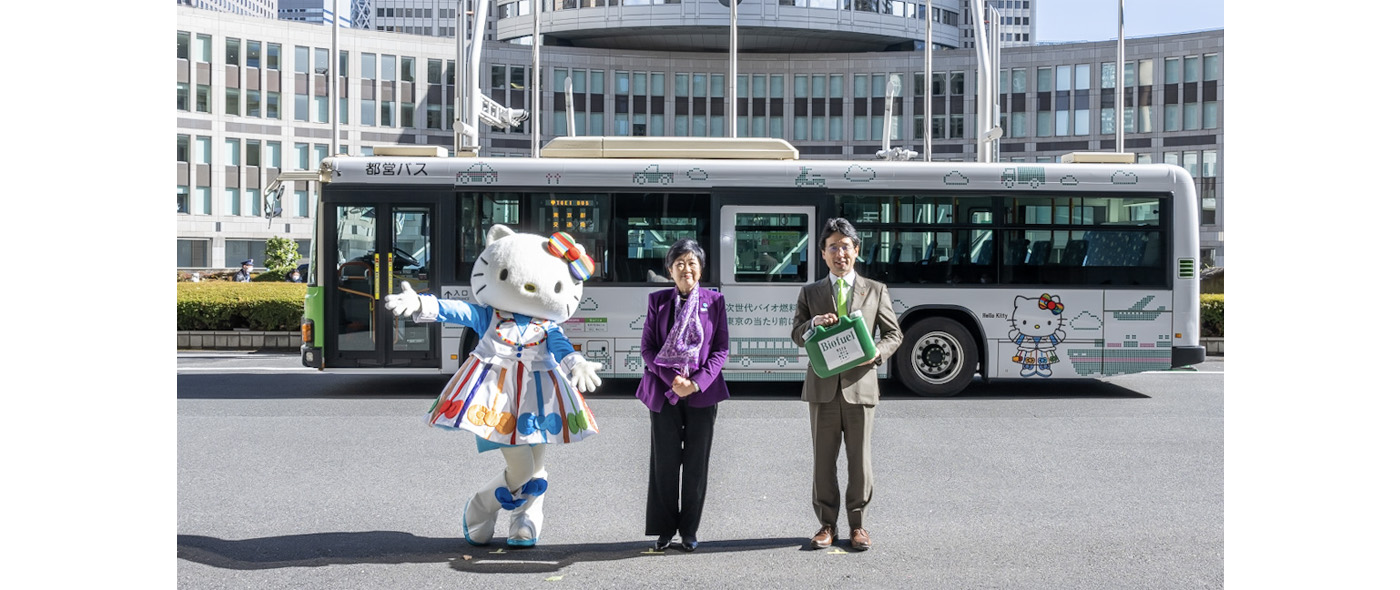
(938, 357)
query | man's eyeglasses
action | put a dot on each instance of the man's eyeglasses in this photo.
(840, 248)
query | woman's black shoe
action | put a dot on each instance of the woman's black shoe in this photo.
(662, 543)
(689, 545)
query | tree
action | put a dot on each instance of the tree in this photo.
(282, 255)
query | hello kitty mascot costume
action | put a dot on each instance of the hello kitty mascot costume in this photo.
(519, 390)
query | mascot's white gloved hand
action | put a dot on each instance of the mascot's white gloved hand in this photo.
(405, 303)
(584, 373)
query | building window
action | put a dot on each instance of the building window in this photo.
(232, 48)
(274, 154)
(203, 147)
(182, 45)
(232, 202)
(1171, 71)
(232, 102)
(1193, 69)
(254, 54)
(203, 201)
(231, 155)
(367, 66)
(323, 61)
(367, 111)
(435, 71)
(322, 110)
(434, 115)
(254, 152)
(254, 103)
(203, 48)
(302, 60)
(182, 96)
(182, 199)
(386, 68)
(274, 56)
(274, 105)
(182, 148)
(302, 153)
(406, 69)
(201, 98)
(236, 251)
(1144, 72)
(1211, 63)
(192, 253)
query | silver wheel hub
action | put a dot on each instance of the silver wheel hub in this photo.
(937, 357)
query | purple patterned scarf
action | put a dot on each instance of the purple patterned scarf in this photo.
(681, 351)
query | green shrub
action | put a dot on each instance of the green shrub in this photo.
(222, 305)
(1213, 315)
(281, 256)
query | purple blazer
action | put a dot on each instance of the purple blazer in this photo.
(714, 350)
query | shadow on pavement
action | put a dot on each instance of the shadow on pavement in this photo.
(1010, 389)
(310, 386)
(393, 547)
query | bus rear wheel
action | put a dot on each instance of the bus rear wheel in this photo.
(938, 357)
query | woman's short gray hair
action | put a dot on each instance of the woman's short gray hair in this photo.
(682, 247)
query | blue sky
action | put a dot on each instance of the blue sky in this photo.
(1097, 20)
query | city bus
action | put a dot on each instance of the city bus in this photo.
(1042, 271)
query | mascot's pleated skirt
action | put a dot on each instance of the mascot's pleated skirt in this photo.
(513, 402)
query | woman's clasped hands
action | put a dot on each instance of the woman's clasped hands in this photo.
(683, 386)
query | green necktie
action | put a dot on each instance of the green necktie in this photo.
(841, 297)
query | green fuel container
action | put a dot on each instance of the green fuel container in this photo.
(840, 346)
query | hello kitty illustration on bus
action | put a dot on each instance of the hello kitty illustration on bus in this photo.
(1036, 328)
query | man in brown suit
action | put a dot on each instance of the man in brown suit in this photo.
(843, 406)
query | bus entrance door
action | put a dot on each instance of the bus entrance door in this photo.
(766, 256)
(375, 248)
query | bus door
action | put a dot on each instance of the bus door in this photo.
(767, 253)
(373, 248)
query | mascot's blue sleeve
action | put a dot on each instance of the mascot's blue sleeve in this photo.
(559, 344)
(471, 315)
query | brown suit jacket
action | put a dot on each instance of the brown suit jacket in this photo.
(859, 385)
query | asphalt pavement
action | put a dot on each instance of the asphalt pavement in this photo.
(296, 479)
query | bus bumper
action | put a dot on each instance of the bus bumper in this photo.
(311, 356)
(1181, 355)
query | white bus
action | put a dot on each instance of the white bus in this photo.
(1007, 270)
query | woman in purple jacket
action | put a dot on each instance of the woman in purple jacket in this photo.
(685, 342)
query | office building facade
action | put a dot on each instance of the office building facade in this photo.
(254, 97)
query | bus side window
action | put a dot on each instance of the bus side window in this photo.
(1039, 253)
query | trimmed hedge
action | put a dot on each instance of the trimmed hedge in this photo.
(1213, 315)
(222, 305)
(277, 306)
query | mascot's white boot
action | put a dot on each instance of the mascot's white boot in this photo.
(527, 519)
(479, 517)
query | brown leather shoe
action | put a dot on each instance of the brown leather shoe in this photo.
(860, 539)
(824, 537)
